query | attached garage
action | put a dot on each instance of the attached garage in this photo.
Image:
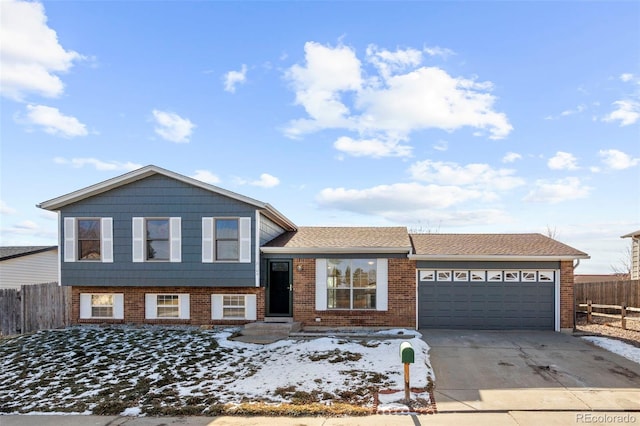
(493, 281)
(487, 299)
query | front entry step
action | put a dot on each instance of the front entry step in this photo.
(267, 332)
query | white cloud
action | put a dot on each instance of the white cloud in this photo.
(441, 145)
(172, 127)
(206, 176)
(371, 147)
(627, 77)
(318, 84)
(383, 199)
(266, 181)
(5, 209)
(617, 160)
(479, 176)
(388, 62)
(54, 122)
(233, 78)
(97, 164)
(562, 161)
(553, 192)
(30, 53)
(28, 230)
(627, 112)
(439, 51)
(398, 97)
(511, 157)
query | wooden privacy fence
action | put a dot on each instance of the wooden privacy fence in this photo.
(624, 310)
(609, 293)
(34, 307)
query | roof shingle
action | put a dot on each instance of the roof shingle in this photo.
(491, 245)
(312, 237)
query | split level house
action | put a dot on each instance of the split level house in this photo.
(156, 247)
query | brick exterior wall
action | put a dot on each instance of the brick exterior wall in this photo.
(134, 310)
(401, 299)
(567, 303)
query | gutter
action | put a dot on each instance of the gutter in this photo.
(331, 250)
(488, 257)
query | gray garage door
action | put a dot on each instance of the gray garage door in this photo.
(486, 300)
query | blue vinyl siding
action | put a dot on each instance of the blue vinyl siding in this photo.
(160, 196)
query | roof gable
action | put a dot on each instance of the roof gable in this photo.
(480, 246)
(144, 172)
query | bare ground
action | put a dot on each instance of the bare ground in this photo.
(610, 327)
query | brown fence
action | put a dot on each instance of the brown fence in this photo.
(609, 293)
(34, 307)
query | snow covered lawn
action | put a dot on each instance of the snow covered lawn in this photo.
(186, 370)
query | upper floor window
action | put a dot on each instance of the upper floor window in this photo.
(226, 239)
(88, 239)
(227, 244)
(157, 239)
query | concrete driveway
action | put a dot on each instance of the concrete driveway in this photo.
(522, 370)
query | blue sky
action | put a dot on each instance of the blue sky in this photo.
(451, 117)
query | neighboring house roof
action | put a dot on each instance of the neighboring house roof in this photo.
(595, 278)
(144, 172)
(632, 234)
(11, 252)
(491, 247)
(322, 239)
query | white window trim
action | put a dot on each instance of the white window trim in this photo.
(427, 275)
(70, 236)
(477, 273)
(85, 306)
(250, 307)
(461, 275)
(151, 306)
(446, 276)
(382, 286)
(139, 242)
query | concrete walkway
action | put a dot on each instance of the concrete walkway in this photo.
(527, 371)
(511, 418)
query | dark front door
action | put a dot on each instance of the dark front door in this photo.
(279, 291)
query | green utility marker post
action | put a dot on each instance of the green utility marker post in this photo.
(407, 356)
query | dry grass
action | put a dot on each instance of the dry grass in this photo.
(105, 370)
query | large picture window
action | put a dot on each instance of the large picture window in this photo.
(351, 283)
(89, 239)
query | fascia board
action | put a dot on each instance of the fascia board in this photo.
(333, 250)
(495, 257)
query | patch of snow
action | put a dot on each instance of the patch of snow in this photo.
(132, 412)
(616, 346)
